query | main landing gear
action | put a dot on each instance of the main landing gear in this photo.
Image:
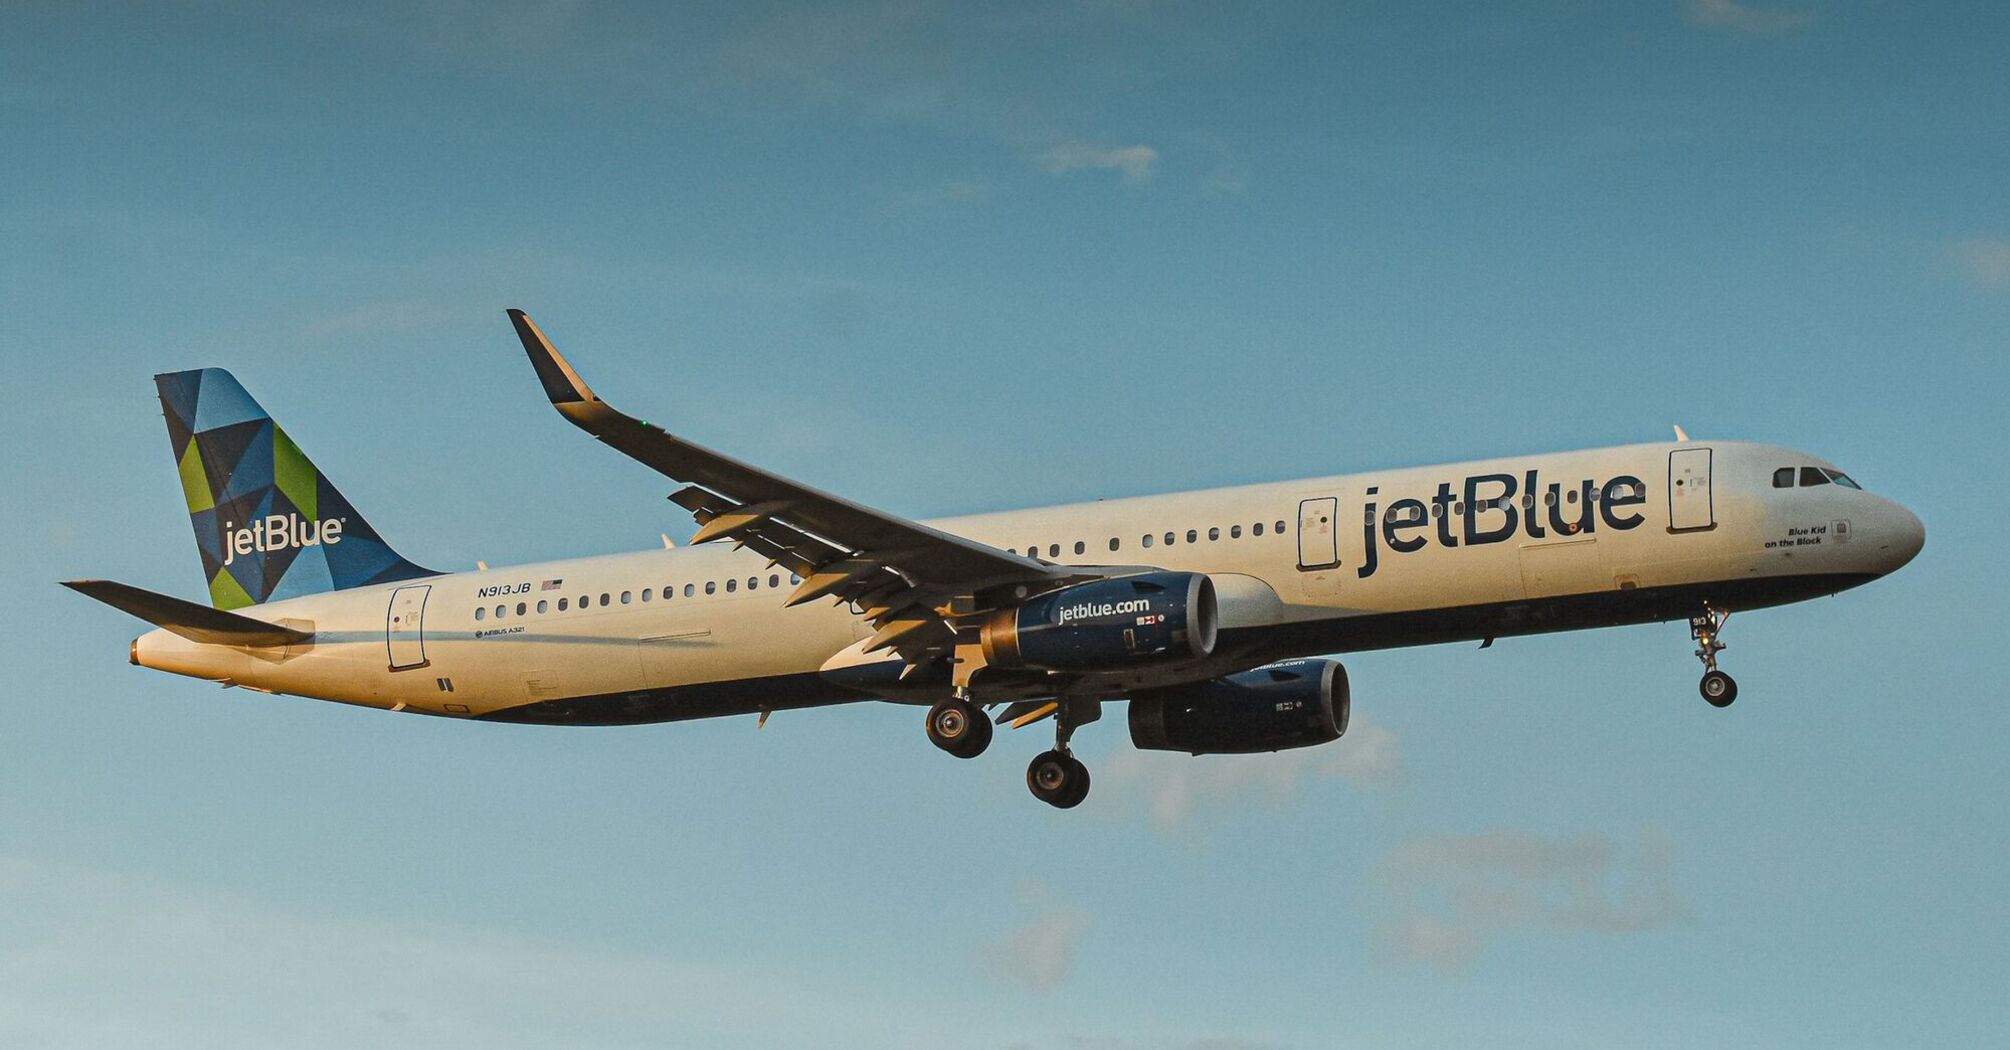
(1717, 687)
(959, 727)
(1059, 779)
(1056, 777)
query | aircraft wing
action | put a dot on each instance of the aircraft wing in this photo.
(903, 575)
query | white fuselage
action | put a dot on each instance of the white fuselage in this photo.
(1319, 565)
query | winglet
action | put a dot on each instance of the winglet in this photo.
(197, 623)
(561, 383)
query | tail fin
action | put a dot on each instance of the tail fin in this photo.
(268, 524)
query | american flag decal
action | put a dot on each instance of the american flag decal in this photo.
(551, 585)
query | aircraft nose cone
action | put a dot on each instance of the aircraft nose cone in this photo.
(1906, 536)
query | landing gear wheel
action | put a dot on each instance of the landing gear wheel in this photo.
(1058, 779)
(959, 727)
(1707, 629)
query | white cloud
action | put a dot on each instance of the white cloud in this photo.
(94, 959)
(1175, 788)
(1041, 951)
(1986, 260)
(1134, 162)
(1735, 16)
(1447, 896)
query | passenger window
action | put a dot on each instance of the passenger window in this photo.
(732, 585)
(647, 593)
(543, 606)
(753, 583)
(1214, 534)
(584, 601)
(1257, 530)
(1148, 541)
(1080, 546)
(1172, 538)
(1280, 528)
(1113, 543)
(521, 608)
(1053, 550)
(711, 586)
(604, 599)
(1783, 478)
(481, 613)
(1235, 532)
(627, 596)
(502, 611)
(1192, 536)
(793, 578)
(1813, 476)
(561, 605)
(775, 580)
(690, 589)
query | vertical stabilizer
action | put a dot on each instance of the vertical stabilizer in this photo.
(268, 524)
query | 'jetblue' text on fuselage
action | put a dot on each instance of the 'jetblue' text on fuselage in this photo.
(1496, 507)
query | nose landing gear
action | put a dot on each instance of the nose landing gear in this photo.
(1717, 687)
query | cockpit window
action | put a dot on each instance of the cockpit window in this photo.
(1813, 476)
(1783, 478)
(1842, 479)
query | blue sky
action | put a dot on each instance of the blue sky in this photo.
(945, 258)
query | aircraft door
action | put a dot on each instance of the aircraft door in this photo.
(1318, 533)
(404, 627)
(1690, 502)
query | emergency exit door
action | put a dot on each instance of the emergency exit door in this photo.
(404, 627)
(1318, 533)
(1690, 503)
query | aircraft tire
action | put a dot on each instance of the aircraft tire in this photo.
(959, 727)
(1058, 779)
(1718, 688)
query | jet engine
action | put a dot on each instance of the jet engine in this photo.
(1106, 625)
(1295, 703)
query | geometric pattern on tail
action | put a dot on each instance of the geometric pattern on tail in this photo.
(268, 524)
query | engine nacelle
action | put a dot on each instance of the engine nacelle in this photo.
(1107, 625)
(1295, 703)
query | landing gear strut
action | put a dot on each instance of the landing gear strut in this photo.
(1057, 777)
(1717, 687)
(959, 727)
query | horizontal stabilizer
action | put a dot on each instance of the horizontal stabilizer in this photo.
(197, 623)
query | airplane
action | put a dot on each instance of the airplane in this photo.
(1214, 614)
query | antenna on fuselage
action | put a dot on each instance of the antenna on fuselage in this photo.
(668, 543)
(1680, 434)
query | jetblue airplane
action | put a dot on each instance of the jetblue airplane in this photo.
(1205, 611)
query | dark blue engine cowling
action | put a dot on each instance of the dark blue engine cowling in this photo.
(1296, 703)
(1107, 625)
